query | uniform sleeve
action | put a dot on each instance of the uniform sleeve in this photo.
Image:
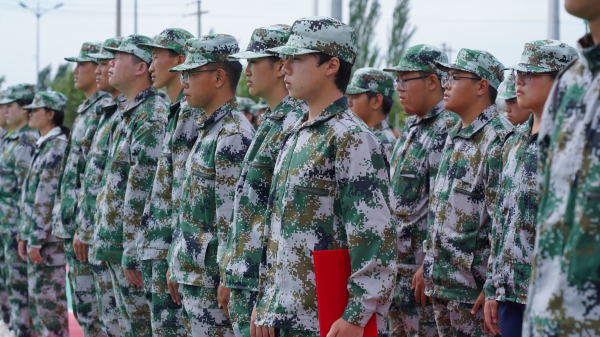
(544, 135)
(145, 150)
(363, 191)
(56, 219)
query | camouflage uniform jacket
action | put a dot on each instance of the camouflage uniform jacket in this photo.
(513, 227)
(330, 191)
(158, 221)
(16, 155)
(245, 238)
(74, 161)
(3, 133)
(565, 286)
(461, 205)
(94, 169)
(204, 215)
(37, 196)
(414, 165)
(385, 135)
(128, 176)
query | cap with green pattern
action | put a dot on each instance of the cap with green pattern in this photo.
(262, 104)
(262, 39)
(130, 45)
(509, 91)
(19, 91)
(53, 100)
(246, 104)
(371, 79)
(478, 62)
(543, 56)
(213, 48)
(104, 53)
(170, 38)
(87, 48)
(320, 34)
(421, 57)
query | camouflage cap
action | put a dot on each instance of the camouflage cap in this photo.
(320, 34)
(213, 48)
(509, 91)
(87, 48)
(170, 38)
(106, 54)
(19, 91)
(371, 79)
(262, 39)
(48, 99)
(478, 62)
(542, 56)
(246, 104)
(421, 57)
(262, 104)
(130, 45)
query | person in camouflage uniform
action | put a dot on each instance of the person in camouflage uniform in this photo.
(261, 108)
(46, 264)
(127, 179)
(513, 230)
(241, 261)
(370, 97)
(515, 114)
(563, 292)
(84, 301)
(246, 106)
(211, 172)
(17, 152)
(462, 200)
(4, 130)
(156, 229)
(328, 166)
(414, 165)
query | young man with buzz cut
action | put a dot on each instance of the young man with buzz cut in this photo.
(330, 191)
(211, 172)
(81, 278)
(414, 166)
(156, 228)
(370, 98)
(131, 161)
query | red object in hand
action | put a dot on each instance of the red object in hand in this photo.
(332, 270)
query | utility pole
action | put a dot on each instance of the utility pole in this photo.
(315, 7)
(135, 16)
(118, 18)
(553, 20)
(38, 14)
(336, 9)
(446, 49)
(199, 13)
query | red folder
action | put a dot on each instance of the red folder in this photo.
(332, 270)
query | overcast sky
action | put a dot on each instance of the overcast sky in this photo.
(498, 26)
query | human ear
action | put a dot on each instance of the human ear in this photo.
(279, 66)
(376, 102)
(432, 82)
(180, 59)
(483, 87)
(220, 78)
(333, 66)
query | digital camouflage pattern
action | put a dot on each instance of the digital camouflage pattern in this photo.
(210, 320)
(513, 228)
(454, 318)
(206, 205)
(262, 39)
(246, 105)
(510, 90)
(245, 237)
(542, 56)
(384, 133)
(320, 34)
(240, 306)
(421, 57)
(87, 48)
(478, 62)
(262, 104)
(170, 38)
(53, 100)
(371, 79)
(563, 292)
(462, 202)
(48, 295)
(19, 91)
(411, 321)
(132, 45)
(105, 294)
(207, 49)
(104, 53)
(330, 191)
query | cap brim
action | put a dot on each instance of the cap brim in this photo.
(506, 95)
(187, 66)
(151, 45)
(80, 59)
(402, 69)
(101, 57)
(529, 68)
(6, 101)
(445, 67)
(248, 55)
(352, 90)
(33, 106)
(287, 50)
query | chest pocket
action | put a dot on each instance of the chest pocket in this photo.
(407, 187)
(466, 203)
(258, 182)
(119, 169)
(202, 192)
(98, 164)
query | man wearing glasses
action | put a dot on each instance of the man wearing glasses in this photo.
(463, 196)
(414, 165)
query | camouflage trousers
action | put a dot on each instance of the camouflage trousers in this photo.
(83, 297)
(202, 316)
(241, 303)
(166, 314)
(105, 295)
(48, 295)
(406, 316)
(4, 305)
(18, 290)
(297, 333)
(454, 318)
(131, 301)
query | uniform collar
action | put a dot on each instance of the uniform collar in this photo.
(484, 117)
(17, 133)
(590, 51)
(414, 120)
(381, 126)
(339, 105)
(89, 101)
(54, 132)
(175, 106)
(223, 110)
(140, 98)
(279, 112)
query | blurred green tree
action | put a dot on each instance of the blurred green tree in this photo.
(64, 82)
(364, 15)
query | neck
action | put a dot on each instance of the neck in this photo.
(134, 88)
(595, 30)
(89, 92)
(173, 89)
(430, 102)
(326, 96)
(472, 112)
(44, 131)
(9, 128)
(275, 96)
(219, 99)
(19, 126)
(115, 94)
(376, 118)
(537, 119)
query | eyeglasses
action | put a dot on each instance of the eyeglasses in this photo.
(450, 80)
(400, 83)
(525, 76)
(184, 77)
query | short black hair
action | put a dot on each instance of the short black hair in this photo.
(23, 102)
(137, 60)
(233, 70)
(493, 93)
(387, 101)
(273, 59)
(59, 116)
(173, 53)
(342, 78)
